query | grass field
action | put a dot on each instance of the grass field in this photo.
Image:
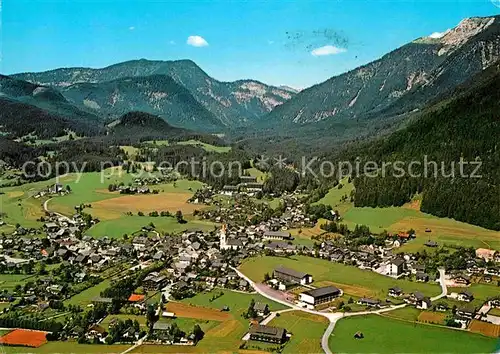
(225, 336)
(495, 311)
(110, 208)
(335, 195)
(385, 335)
(408, 313)
(432, 317)
(116, 207)
(339, 274)
(481, 292)
(306, 329)
(85, 297)
(9, 281)
(206, 147)
(261, 176)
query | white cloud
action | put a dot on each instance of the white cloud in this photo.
(171, 42)
(270, 42)
(328, 50)
(437, 35)
(131, 28)
(197, 41)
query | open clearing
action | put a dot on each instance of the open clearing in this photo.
(323, 270)
(385, 335)
(205, 146)
(488, 329)
(306, 329)
(409, 216)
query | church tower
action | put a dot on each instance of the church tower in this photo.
(223, 231)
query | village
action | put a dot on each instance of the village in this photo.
(150, 270)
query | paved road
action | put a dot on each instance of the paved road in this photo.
(272, 315)
(137, 344)
(442, 282)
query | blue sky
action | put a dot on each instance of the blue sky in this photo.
(269, 40)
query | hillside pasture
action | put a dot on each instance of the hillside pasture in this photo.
(443, 230)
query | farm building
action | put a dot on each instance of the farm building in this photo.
(486, 254)
(154, 281)
(290, 275)
(422, 277)
(267, 334)
(396, 266)
(461, 279)
(395, 292)
(319, 296)
(369, 302)
(248, 179)
(277, 235)
(261, 308)
(229, 190)
(465, 296)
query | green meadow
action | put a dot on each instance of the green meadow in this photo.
(385, 335)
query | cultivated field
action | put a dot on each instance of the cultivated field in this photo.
(432, 317)
(24, 337)
(306, 329)
(382, 334)
(323, 270)
(485, 328)
(69, 347)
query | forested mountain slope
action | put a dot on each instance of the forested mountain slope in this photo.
(233, 103)
(465, 126)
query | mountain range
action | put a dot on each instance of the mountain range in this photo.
(376, 98)
(108, 92)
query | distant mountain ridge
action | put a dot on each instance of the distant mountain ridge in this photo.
(401, 81)
(156, 94)
(233, 103)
